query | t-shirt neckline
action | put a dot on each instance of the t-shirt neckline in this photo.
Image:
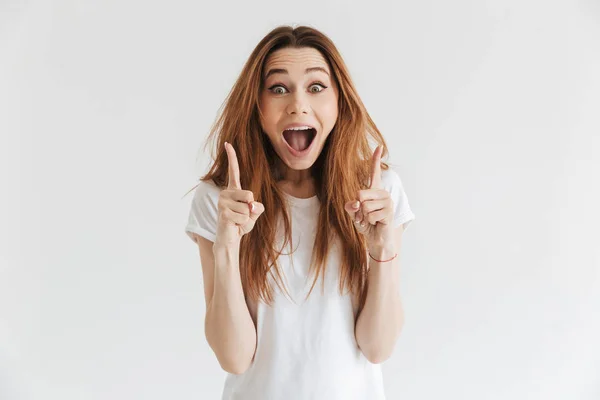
(302, 202)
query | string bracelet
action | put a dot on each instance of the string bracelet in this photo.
(382, 261)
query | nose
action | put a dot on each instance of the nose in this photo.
(298, 104)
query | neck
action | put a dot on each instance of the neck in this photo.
(298, 183)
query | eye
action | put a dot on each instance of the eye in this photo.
(276, 86)
(274, 89)
(318, 84)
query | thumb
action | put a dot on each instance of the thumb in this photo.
(256, 209)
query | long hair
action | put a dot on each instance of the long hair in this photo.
(342, 168)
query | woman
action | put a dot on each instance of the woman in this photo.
(293, 170)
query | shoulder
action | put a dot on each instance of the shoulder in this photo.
(203, 215)
(206, 194)
(391, 182)
(207, 189)
(390, 179)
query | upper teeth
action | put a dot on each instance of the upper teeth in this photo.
(299, 128)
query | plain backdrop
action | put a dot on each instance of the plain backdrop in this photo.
(491, 112)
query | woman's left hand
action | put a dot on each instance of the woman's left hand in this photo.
(372, 211)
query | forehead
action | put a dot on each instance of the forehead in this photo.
(295, 60)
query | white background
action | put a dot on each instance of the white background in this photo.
(490, 110)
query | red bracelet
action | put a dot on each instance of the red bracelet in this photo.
(381, 261)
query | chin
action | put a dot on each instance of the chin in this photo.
(299, 165)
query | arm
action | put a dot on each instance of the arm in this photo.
(382, 317)
(228, 326)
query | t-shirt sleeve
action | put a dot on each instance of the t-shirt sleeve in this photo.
(402, 211)
(203, 214)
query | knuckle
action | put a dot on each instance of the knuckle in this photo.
(249, 196)
(221, 202)
(223, 214)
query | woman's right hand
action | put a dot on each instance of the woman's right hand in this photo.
(237, 209)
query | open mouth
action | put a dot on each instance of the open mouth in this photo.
(301, 139)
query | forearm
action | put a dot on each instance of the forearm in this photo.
(229, 328)
(380, 321)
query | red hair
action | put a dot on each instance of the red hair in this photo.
(338, 174)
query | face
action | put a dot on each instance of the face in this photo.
(298, 88)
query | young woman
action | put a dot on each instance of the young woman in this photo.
(295, 194)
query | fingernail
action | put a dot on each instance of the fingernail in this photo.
(252, 207)
(355, 205)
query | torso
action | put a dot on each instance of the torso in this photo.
(306, 349)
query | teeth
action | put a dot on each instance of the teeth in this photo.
(299, 128)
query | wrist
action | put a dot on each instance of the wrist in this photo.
(382, 252)
(225, 247)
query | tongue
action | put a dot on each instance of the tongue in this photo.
(298, 140)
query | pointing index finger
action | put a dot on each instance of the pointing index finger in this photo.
(376, 169)
(234, 168)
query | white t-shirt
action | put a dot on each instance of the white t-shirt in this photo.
(305, 349)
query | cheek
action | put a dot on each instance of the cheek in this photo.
(269, 113)
(329, 110)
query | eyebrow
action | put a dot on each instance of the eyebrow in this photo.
(285, 71)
